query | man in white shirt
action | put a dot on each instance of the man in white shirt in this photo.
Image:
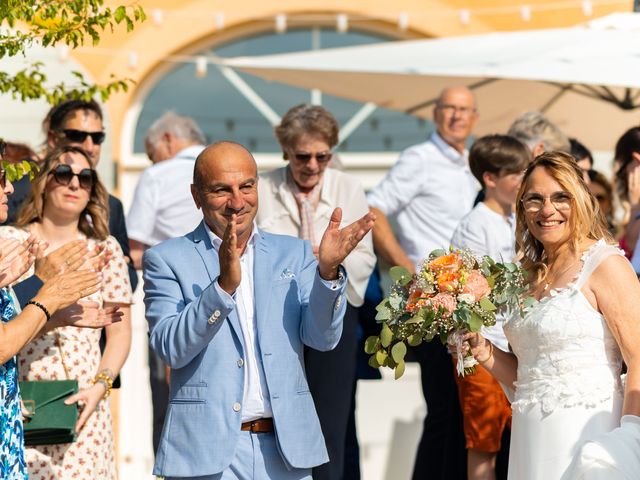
(428, 191)
(163, 208)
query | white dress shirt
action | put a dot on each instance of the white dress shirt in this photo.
(255, 398)
(162, 206)
(428, 191)
(486, 232)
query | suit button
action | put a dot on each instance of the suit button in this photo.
(240, 362)
(211, 320)
(236, 407)
(216, 314)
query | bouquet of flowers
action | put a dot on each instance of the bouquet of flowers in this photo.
(452, 293)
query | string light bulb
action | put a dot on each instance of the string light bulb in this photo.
(587, 8)
(132, 60)
(201, 67)
(219, 20)
(342, 23)
(157, 15)
(281, 23)
(403, 21)
(465, 16)
(525, 13)
(63, 53)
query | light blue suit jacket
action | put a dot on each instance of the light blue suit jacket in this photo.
(197, 333)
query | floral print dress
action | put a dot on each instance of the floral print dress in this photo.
(74, 353)
(12, 464)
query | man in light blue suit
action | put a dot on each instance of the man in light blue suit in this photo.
(230, 309)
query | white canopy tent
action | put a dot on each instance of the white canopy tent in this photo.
(585, 78)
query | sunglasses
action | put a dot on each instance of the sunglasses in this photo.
(3, 178)
(79, 136)
(323, 157)
(63, 174)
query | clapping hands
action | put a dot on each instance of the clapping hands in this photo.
(16, 258)
(337, 243)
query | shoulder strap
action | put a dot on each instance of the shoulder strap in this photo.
(592, 259)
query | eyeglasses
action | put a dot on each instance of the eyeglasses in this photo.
(63, 174)
(533, 203)
(448, 109)
(79, 136)
(3, 178)
(322, 157)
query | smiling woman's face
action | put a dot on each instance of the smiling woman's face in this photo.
(551, 225)
(69, 199)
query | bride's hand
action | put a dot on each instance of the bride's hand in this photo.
(479, 346)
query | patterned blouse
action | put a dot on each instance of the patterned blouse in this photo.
(12, 463)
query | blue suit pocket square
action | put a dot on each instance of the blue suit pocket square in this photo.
(286, 273)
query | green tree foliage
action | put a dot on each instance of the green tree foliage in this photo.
(26, 23)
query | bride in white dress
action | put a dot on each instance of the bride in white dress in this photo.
(564, 372)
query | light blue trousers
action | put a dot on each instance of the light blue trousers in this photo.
(256, 458)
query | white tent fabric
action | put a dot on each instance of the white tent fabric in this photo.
(585, 78)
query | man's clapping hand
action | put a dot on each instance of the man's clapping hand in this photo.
(337, 243)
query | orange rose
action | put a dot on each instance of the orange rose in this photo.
(447, 281)
(447, 263)
(415, 301)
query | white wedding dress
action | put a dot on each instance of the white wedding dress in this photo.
(568, 389)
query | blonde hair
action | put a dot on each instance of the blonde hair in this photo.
(94, 219)
(586, 221)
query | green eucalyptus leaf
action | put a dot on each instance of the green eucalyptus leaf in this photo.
(381, 357)
(439, 252)
(414, 340)
(399, 370)
(487, 305)
(384, 313)
(371, 344)
(373, 362)
(475, 322)
(400, 275)
(386, 335)
(398, 351)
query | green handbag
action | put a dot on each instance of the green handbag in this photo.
(49, 421)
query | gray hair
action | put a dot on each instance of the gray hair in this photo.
(532, 128)
(182, 127)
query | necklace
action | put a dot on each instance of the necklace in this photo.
(555, 277)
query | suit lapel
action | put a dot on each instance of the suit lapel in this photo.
(211, 262)
(262, 266)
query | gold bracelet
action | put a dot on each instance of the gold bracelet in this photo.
(482, 362)
(105, 380)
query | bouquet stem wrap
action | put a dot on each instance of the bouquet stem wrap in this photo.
(466, 364)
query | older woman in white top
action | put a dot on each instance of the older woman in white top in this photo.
(298, 200)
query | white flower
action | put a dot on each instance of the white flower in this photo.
(467, 298)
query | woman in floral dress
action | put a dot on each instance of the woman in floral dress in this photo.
(68, 202)
(17, 329)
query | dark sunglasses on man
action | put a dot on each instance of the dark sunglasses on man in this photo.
(322, 157)
(79, 136)
(63, 174)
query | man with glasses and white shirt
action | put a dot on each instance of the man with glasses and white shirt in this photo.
(428, 191)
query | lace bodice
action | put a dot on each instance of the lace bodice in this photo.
(566, 353)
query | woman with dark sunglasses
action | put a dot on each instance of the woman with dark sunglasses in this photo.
(67, 202)
(17, 328)
(297, 200)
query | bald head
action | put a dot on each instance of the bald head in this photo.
(219, 157)
(225, 188)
